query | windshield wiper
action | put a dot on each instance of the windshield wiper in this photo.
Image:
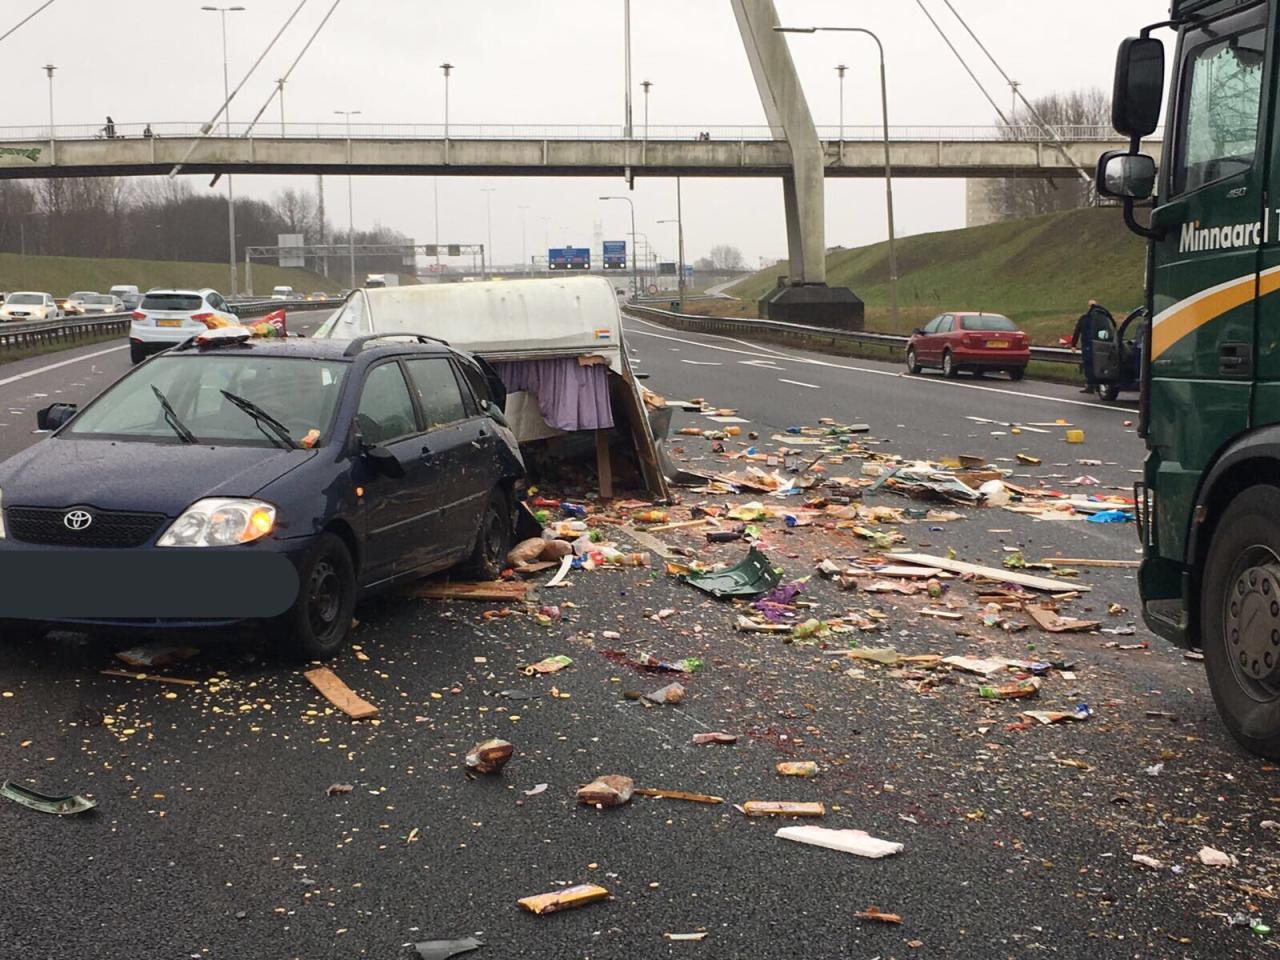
(263, 419)
(171, 418)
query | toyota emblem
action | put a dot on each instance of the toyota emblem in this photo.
(77, 519)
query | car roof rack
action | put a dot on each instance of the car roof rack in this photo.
(356, 345)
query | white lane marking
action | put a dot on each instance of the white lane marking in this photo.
(798, 383)
(757, 351)
(61, 363)
(760, 363)
(702, 363)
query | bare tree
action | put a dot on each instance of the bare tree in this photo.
(727, 259)
(297, 208)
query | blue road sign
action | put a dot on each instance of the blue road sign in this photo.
(615, 254)
(569, 258)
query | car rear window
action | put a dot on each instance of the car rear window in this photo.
(988, 321)
(97, 298)
(170, 301)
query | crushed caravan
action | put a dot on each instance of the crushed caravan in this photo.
(557, 345)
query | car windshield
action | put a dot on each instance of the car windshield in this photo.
(97, 298)
(82, 295)
(301, 393)
(989, 321)
(171, 301)
(27, 298)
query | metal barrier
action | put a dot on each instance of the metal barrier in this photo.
(45, 333)
(814, 337)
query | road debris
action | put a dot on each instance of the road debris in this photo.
(489, 756)
(685, 936)
(678, 795)
(1046, 584)
(553, 664)
(781, 808)
(509, 590)
(1081, 712)
(1150, 862)
(130, 675)
(536, 789)
(1047, 619)
(858, 842)
(334, 789)
(715, 736)
(566, 899)
(66, 805)
(671, 693)
(157, 654)
(878, 915)
(1216, 858)
(339, 694)
(1011, 691)
(444, 949)
(753, 576)
(611, 790)
(798, 768)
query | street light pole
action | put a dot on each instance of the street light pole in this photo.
(635, 279)
(448, 69)
(646, 84)
(626, 40)
(888, 169)
(840, 69)
(351, 219)
(488, 220)
(524, 244)
(280, 88)
(226, 98)
(53, 149)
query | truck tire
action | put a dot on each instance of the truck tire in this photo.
(1240, 619)
(1108, 391)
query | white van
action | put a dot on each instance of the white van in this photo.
(556, 343)
(282, 293)
(128, 294)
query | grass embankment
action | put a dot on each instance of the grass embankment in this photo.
(63, 275)
(1039, 272)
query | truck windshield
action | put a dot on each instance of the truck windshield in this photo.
(301, 393)
(1222, 89)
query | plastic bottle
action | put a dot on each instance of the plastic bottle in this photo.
(650, 516)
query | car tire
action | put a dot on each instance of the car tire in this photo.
(136, 353)
(320, 620)
(1017, 373)
(913, 365)
(1239, 587)
(1108, 391)
(949, 365)
(488, 556)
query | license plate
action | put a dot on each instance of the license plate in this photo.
(997, 343)
(178, 323)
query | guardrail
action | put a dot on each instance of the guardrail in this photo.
(806, 335)
(67, 330)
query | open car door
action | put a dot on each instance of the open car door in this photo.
(1106, 359)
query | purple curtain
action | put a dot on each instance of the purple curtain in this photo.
(570, 396)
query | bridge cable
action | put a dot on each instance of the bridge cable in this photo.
(14, 29)
(1053, 135)
(208, 127)
(257, 116)
(963, 63)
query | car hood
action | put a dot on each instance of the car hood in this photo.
(151, 477)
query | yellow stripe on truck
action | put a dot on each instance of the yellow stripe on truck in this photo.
(1189, 315)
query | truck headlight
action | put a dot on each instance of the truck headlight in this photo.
(220, 522)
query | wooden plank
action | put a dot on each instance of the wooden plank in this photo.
(604, 466)
(678, 526)
(1048, 584)
(1087, 562)
(494, 590)
(134, 675)
(339, 694)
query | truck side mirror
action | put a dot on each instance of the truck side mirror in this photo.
(1125, 176)
(1139, 86)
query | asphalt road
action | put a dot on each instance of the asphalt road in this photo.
(214, 836)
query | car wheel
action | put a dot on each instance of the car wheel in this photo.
(949, 365)
(1108, 391)
(493, 541)
(136, 353)
(22, 631)
(1017, 373)
(320, 619)
(913, 365)
(1240, 619)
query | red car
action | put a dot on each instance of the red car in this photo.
(970, 341)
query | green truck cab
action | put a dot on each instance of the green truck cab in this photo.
(1209, 501)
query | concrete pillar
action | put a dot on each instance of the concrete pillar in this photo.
(788, 114)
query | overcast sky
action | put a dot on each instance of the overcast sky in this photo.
(560, 62)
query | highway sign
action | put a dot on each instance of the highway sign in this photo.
(615, 254)
(569, 258)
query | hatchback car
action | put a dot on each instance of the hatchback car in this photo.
(30, 305)
(99, 303)
(168, 317)
(271, 480)
(978, 342)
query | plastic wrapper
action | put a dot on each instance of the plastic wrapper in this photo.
(566, 899)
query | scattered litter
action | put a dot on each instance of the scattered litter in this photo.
(489, 756)
(336, 788)
(878, 915)
(157, 654)
(1143, 860)
(536, 789)
(1011, 691)
(339, 694)
(1081, 712)
(46, 803)
(566, 899)
(684, 936)
(857, 842)
(493, 590)
(552, 664)
(1028, 459)
(1075, 436)
(798, 768)
(444, 949)
(611, 790)
(1216, 858)
(1111, 516)
(984, 668)
(715, 737)
(150, 676)
(678, 795)
(671, 693)
(1047, 584)
(1048, 620)
(753, 576)
(781, 808)
(1154, 770)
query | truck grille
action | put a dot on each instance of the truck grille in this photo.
(107, 528)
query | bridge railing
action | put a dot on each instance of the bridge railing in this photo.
(501, 131)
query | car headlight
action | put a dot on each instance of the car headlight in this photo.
(220, 522)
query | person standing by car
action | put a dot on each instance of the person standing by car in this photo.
(1082, 340)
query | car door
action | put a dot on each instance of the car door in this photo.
(938, 338)
(459, 450)
(395, 510)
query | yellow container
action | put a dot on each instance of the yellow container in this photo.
(1075, 436)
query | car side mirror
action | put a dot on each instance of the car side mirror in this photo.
(382, 460)
(918, 331)
(1125, 176)
(55, 415)
(494, 413)
(1139, 86)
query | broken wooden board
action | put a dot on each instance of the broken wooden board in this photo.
(924, 573)
(678, 795)
(941, 614)
(1087, 562)
(340, 695)
(1047, 584)
(1054, 623)
(493, 590)
(134, 675)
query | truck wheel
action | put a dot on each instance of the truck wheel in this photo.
(1108, 391)
(493, 541)
(320, 619)
(949, 365)
(913, 365)
(1240, 619)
